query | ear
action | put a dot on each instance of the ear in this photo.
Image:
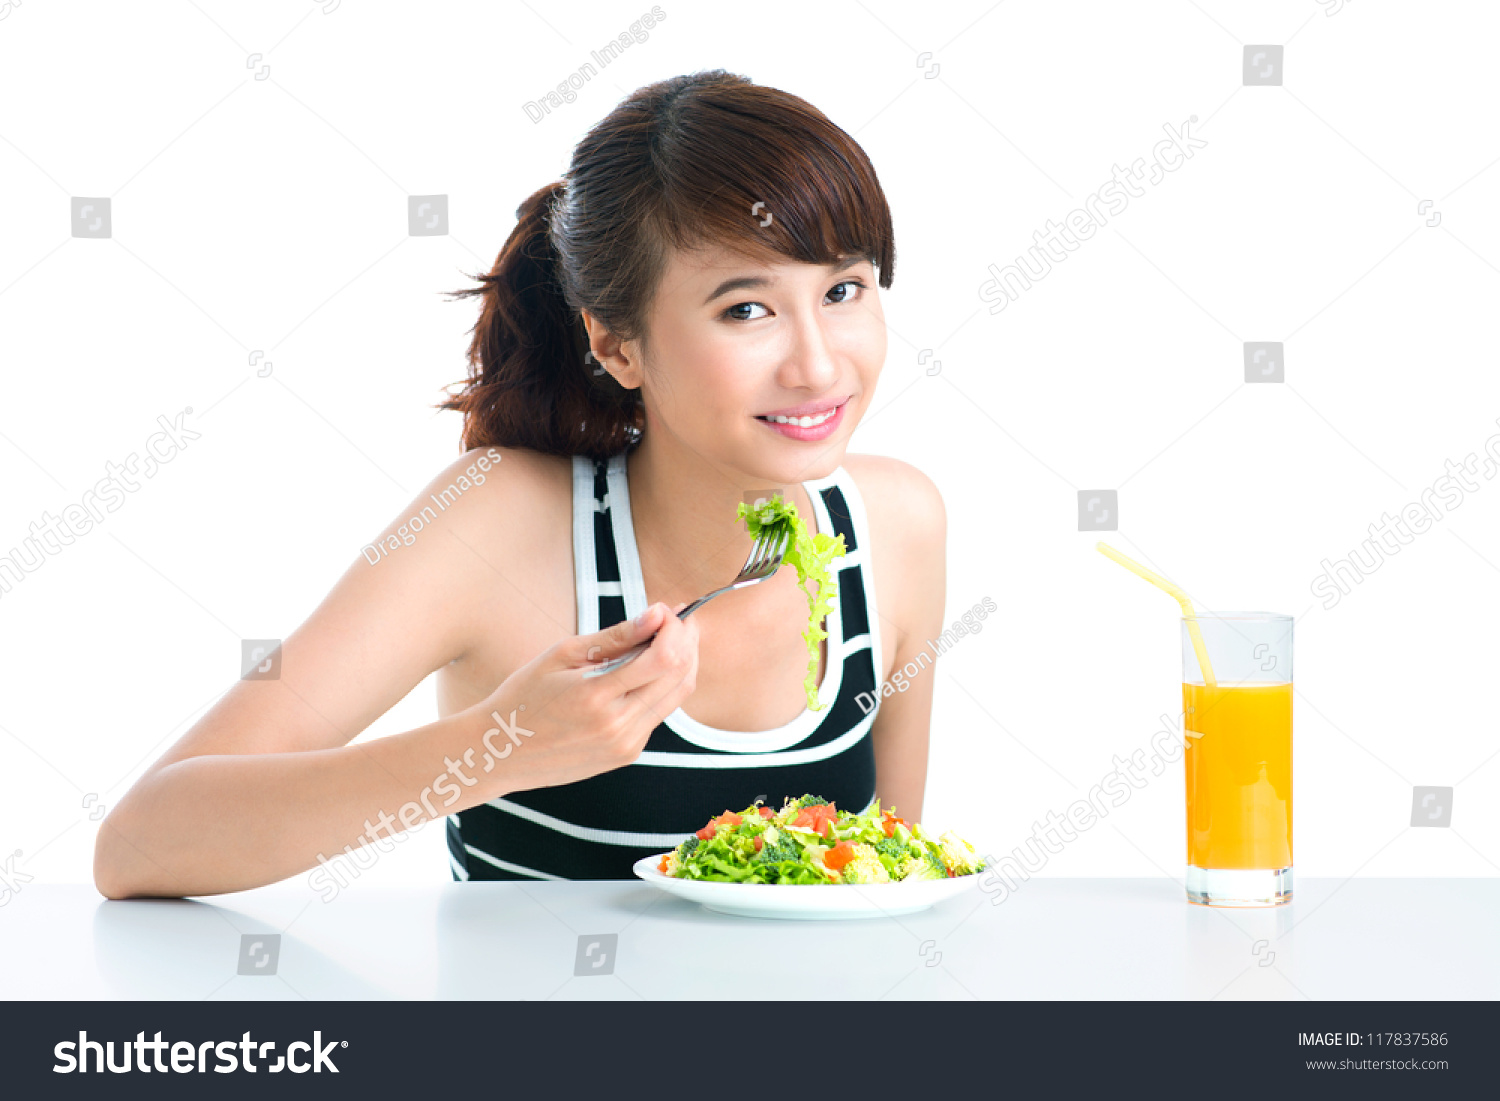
(619, 358)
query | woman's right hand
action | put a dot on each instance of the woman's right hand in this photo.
(556, 725)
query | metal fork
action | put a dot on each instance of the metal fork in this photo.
(765, 560)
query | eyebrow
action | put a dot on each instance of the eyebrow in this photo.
(742, 281)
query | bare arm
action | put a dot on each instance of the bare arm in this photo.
(232, 821)
(266, 780)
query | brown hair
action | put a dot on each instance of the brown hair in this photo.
(678, 163)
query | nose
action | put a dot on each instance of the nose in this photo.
(810, 363)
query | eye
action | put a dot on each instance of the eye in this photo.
(732, 316)
(839, 295)
(847, 295)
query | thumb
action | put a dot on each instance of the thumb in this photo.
(615, 640)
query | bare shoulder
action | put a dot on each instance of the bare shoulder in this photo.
(489, 486)
(472, 539)
(497, 505)
(899, 499)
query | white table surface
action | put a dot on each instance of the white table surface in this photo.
(1356, 939)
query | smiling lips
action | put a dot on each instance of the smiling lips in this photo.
(800, 424)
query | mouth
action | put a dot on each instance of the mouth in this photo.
(808, 425)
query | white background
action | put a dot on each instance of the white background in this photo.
(271, 215)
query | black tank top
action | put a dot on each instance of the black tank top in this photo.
(597, 828)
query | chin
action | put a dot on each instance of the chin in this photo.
(794, 468)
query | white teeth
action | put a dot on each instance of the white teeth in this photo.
(804, 422)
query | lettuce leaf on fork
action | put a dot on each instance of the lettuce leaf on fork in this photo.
(809, 555)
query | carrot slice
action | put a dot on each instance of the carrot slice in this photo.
(839, 855)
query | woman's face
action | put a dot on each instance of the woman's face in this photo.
(734, 342)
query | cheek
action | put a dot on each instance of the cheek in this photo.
(718, 374)
(683, 362)
(878, 344)
(865, 342)
(701, 390)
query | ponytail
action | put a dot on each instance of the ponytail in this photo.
(529, 383)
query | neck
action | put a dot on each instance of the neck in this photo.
(684, 508)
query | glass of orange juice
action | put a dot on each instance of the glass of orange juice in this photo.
(1238, 760)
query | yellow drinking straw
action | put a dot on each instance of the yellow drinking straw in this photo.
(1177, 594)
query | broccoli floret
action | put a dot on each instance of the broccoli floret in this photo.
(892, 847)
(923, 864)
(685, 850)
(784, 849)
(812, 801)
(935, 860)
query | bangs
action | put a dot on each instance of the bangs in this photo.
(784, 165)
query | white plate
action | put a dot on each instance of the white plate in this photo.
(807, 901)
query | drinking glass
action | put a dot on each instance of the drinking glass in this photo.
(1238, 760)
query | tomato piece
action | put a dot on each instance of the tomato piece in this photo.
(819, 818)
(889, 823)
(767, 812)
(728, 818)
(758, 842)
(839, 855)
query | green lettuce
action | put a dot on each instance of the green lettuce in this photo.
(809, 555)
(794, 854)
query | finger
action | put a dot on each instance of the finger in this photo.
(658, 659)
(671, 689)
(658, 710)
(677, 668)
(614, 640)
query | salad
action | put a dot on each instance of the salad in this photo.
(809, 555)
(809, 840)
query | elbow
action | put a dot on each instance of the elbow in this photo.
(111, 892)
(127, 861)
(107, 882)
(109, 877)
(116, 874)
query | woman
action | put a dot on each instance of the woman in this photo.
(688, 319)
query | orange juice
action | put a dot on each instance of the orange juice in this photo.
(1238, 766)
